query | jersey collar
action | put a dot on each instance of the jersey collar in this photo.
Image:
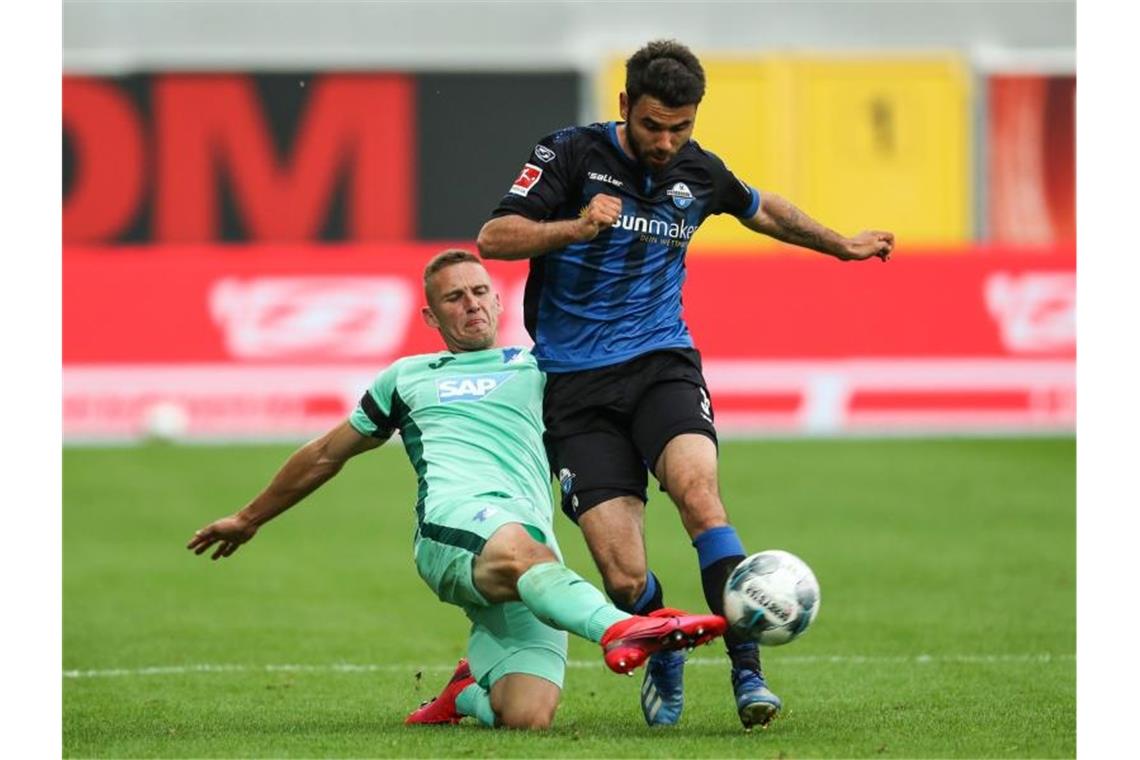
(611, 130)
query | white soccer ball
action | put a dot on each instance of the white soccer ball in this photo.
(771, 597)
(165, 421)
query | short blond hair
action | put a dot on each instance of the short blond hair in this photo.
(445, 259)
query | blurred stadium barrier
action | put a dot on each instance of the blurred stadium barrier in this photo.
(280, 341)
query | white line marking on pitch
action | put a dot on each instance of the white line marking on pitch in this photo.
(921, 659)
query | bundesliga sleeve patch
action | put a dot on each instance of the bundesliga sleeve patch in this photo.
(527, 179)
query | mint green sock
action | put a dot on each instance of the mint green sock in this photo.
(476, 702)
(562, 599)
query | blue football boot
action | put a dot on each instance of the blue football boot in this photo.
(755, 703)
(663, 691)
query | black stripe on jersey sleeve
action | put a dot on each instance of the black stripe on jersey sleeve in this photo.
(730, 194)
(384, 424)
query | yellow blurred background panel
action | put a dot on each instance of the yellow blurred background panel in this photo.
(884, 144)
(856, 142)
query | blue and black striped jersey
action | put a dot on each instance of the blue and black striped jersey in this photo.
(619, 295)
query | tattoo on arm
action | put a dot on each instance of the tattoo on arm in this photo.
(803, 230)
(790, 225)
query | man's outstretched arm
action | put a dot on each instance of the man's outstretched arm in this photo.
(778, 218)
(515, 237)
(306, 470)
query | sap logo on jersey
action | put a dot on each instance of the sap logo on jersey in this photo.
(471, 387)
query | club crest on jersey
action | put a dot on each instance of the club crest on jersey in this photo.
(528, 178)
(512, 355)
(681, 195)
(484, 513)
(566, 480)
(469, 387)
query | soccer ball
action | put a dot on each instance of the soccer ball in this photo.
(165, 421)
(771, 597)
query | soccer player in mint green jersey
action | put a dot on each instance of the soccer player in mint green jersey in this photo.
(471, 422)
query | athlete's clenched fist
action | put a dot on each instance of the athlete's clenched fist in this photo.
(602, 212)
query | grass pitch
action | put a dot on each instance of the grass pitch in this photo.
(947, 626)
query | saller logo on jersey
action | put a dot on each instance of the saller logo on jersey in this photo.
(469, 387)
(527, 179)
(544, 153)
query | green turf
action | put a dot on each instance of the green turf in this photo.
(947, 626)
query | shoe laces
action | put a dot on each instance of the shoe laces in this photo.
(745, 647)
(748, 679)
(667, 663)
(665, 668)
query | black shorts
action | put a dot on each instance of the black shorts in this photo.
(606, 427)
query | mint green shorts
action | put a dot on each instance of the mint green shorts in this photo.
(505, 638)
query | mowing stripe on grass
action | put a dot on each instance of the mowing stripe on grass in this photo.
(917, 659)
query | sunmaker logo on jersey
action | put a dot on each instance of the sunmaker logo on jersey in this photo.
(656, 227)
(470, 387)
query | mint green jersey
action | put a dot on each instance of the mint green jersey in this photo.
(471, 424)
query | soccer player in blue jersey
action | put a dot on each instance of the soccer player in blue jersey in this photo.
(605, 213)
(470, 419)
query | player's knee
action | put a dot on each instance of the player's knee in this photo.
(699, 503)
(512, 552)
(696, 489)
(537, 554)
(528, 555)
(528, 717)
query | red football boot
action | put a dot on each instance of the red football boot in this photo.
(441, 709)
(628, 643)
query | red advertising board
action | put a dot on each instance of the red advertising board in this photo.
(279, 341)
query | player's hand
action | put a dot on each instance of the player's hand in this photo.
(602, 212)
(868, 244)
(228, 533)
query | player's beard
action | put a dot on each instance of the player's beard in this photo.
(639, 153)
(635, 148)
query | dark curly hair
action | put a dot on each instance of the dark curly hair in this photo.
(666, 70)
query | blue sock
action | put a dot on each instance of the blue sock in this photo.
(717, 543)
(719, 551)
(650, 599)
